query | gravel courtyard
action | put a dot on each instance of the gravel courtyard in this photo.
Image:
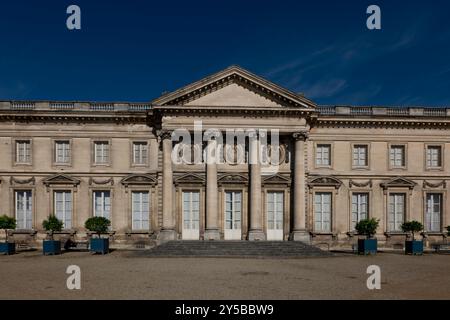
(129, 275)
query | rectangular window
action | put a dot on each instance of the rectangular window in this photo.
(397, 156)
(433, 212)
(191, 210)
(102, 204)
(275, 210)
(323, 155)
(233, 210)
(360, 158)
(62, 152)
(23, 151)
(101, 152)
(322, 212)
(397, 209)
(63, 207)
(140, 210)
(360, 207)
(434, 157)
(140, 152)
(23, 206)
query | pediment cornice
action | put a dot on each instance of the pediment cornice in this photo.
(61, 179)
(398, 182)
(231, 75)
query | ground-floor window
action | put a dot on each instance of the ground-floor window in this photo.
(433, 212)
(397, 209)
(63, 207)
(23, 207)
(322, 211)
(360, 207)
(275, 210)
(233, 210)
(140, 210)
(191, 210)
(102, 204)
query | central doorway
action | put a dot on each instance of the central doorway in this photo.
(233, 215)
(191, 215)
(275, 212)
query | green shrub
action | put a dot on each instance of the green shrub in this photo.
(98, 225)
(412, 226)
(367, 227)
(7, 223)
(448, 230)
(52, 224)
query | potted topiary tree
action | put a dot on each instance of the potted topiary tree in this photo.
(367, 227)
(99, 225)
(51, 225)
(7, 223)
(413, 246)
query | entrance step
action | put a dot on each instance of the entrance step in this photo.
(232, 248)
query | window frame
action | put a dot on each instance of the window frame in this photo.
(132, 162)
(441, 164)
(93, 153)
(55, 155)
(15, 152)
(405, 156)
(330, 155)
(367, 147)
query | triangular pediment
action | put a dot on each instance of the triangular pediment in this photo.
(139, 179)
(234, 87)
(190, 178)
(325, 181)
(276, 179)
(233, 178)
(61, 179)
(398, 182)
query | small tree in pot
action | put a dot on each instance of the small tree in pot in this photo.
(413, 246)
(51, 225)
(99, 225)
(7, 223)
(367, 227)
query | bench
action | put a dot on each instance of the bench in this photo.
(76, 245)
(440, 247)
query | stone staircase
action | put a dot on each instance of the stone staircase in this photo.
(256, 249)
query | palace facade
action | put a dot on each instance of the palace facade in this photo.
(335, 165)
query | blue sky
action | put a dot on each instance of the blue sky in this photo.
(135, 50)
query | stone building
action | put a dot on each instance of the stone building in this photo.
(334, 166)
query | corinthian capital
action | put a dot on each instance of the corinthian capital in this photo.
(164, 134)
(301, 135)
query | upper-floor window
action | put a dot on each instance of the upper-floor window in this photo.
(397, 156)
(434, 156)
(323, 155)
(23, 151)
(101, 152)
(62, 152)
(360, 156)
(140, 153)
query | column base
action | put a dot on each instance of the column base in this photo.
(255, 235)
(212, 234)
(300, 235)
(167, 235)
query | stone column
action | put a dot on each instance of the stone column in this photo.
(168, 226)
(212, 216)
(255, 228)
(299, 232)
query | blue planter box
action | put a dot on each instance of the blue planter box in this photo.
(367, 246)
(51, 247)
(414, 247)
(99, 245)
(8, 248)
